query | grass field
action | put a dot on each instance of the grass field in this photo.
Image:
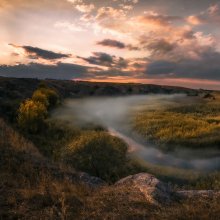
(189, 125)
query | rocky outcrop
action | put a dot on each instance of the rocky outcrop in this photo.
(155, 191)
(197, 193)
(91, 181)
(158, 193)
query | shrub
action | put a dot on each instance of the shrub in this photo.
(51, 95)
(97, 153)
(39, 96)
(32, 112)
(53, 137)
(31, 115)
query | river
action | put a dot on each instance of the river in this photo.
(114, 113)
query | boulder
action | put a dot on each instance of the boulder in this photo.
(155, 191)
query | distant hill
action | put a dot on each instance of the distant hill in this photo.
(15, 90)
(25, 86)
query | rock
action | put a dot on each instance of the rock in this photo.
(197, 193)
(155, 191)
(91, 181)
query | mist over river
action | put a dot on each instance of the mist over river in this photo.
(115, 114)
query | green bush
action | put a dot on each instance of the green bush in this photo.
(97, 153)
(31, 115)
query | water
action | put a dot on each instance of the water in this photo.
(114, 113)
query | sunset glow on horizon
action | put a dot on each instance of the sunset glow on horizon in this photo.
(165, 42)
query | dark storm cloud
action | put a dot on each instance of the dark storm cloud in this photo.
(207, 67)
(116, 44)
(36, 70)
(36, 52)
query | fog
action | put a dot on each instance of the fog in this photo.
(115, 113)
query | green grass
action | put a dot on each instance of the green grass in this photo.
(192, 126)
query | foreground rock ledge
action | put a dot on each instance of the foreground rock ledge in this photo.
(156, 192)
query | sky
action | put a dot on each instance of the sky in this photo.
(168, 42)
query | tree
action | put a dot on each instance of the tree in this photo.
(97, 153)
(31, 115)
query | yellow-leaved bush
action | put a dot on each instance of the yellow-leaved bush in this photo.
(31, 115)
(33, 112)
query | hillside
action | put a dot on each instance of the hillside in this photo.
(41, 173)
(32, 187)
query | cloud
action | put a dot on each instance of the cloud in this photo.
(209, 16)
(111, 19)
(168, 43)
(36, 52)
(81, 6)
(194, 20)
(207, 67)
(116, 44)
(118, 22)
(161, 67)
(60, 71)
(109, 12)
(154, 18)
(98, 58)
(106, 60)
(160, 46)
(182, 54)
(177, 44)
(36, 70)
(85, 8)
(112, 43)
(70, 26)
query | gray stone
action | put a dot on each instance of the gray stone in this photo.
(197, 193)
(155, 191)
(91, 181)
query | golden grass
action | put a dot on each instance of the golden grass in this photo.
(28, 190)
(126, 203)
(195, 126)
